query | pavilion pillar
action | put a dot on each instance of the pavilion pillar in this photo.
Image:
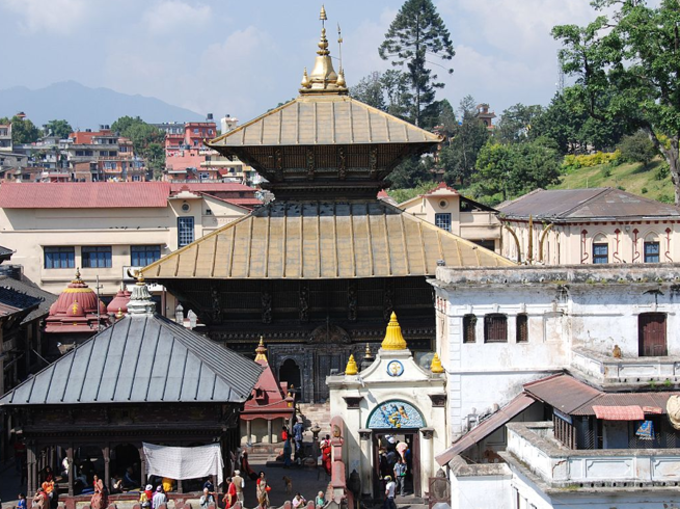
(69, 456)
(31, 467)
(248, 431)
(142, 460)
(106, 452)
(366, 464)
(270, 432)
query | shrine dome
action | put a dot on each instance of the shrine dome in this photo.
(119, 303)
(77, 309)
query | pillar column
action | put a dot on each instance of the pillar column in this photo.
(248, 431)
(106, 452)
(30, 463)
(426, 459)
(366, 439)
(142, 461)
(270, 430)
(69, 456)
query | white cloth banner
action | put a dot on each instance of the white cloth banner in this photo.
(184, 462)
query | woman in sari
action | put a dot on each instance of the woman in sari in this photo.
(262, 491)
(100, 499)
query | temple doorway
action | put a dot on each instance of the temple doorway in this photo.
(387, 449)
(290, 372)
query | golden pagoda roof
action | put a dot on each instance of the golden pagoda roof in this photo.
(394, 339)
(323, 240)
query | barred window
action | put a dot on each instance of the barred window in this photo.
(522, 328)
(185, 231)
(469, 324)
(495, 328)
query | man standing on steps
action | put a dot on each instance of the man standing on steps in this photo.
(298, 431)
(400, 475)
(239, 484)
(390, 491)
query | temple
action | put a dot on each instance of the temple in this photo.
(319, 270)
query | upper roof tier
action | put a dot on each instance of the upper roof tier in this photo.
(324, 139)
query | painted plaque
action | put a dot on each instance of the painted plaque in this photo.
(395, 414)
(395, 368)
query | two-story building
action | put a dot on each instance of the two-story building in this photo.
(589, 226)
(104, 228)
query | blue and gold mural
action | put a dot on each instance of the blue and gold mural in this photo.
(395, 414)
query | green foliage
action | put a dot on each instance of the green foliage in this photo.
(516, 122)
(637, 148)
(512, 170)
(60, 128)
(574, 162)
(632, 57)
(147, 141)
(458, 158)
(402, 195)
(411, 173)
(662, 172)
(417, 33)
(23, 130)
(386, 91)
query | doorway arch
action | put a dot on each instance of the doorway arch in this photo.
(289, 372)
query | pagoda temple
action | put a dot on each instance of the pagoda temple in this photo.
(319, 270)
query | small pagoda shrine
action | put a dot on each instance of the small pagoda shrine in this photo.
(270, 408)
(118, 307)
(76, 316)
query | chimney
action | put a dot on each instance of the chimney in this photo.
(210, 117)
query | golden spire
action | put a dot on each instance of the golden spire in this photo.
(352, 368)
(394, 340)
(77, 279)
(367, 352)
(323, 78)
(261, 351)
(119, 314)
(436, 365)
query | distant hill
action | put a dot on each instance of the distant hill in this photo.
(650, 181)
(86, 107)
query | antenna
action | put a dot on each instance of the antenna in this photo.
(560, 75)
(99, 315)
(340, 41)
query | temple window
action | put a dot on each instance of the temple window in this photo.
(600, 250)
(60, 257)
(96, 257)
(651, 251)
(495, 328)
(185, 231)
(141, 256)
(443, 221)
(469, 324)
(522, 328)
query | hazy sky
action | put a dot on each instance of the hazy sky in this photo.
(244, 57)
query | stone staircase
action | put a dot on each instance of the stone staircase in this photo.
(313, 414)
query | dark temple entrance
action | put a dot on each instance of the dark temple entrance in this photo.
(290, 372)
(385, 453)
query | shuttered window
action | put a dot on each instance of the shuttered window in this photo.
(469, 324)
(522, 328)
(495, 328)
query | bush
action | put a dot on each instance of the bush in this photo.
(572, 162)
(662, 172)
(643, 190)
(637, 148)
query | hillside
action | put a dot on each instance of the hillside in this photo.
(650, 181)
(86, 107)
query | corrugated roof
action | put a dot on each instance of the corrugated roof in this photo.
(141, 359)
(485, 428)
(324, 120)
(642, 399)
(83, 195)
(322, 240)
(605, 202)
(562, 392)
(619, 413)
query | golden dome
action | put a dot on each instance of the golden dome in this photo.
(393, 337)
(261, 351)
(436, 364)
(352, 368)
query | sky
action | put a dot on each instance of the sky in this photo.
(245, 57)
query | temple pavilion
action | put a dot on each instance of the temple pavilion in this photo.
(319, 270)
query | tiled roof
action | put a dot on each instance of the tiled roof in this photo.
(208, 187)
(323, 240)
(324, 120)
(84, 195)
(29, 288)
(574, 204)
(562, 392)
(141, 359)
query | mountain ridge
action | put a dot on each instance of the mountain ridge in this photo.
(87, 107)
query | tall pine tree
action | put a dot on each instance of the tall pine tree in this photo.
(415, 33)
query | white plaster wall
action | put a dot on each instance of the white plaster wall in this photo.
(483, 492)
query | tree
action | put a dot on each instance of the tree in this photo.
(370, 90)
(147, 141)
(458, 158)
(634, 57)
(412, 172)
(386, 91)
(60, 128)
(637, 148)
(516, 123)
(23, 130)
(416, 32)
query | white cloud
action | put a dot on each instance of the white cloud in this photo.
(52, 16)
(169, 15)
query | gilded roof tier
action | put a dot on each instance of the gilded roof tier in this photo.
(323, 240)
(324, 120)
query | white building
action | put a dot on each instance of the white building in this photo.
(506, 337)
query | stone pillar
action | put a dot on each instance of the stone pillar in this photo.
(249, 427)
(106, 453)
(142, 461)
(353, 422)
(270, 431)
(31, 471)
(426, 459)
(366, 472)
(69, 456)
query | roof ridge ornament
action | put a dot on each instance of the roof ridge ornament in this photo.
(323, 79)
(140, 298)
(261, 351)
(394, 339)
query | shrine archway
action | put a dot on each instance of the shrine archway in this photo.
(289, 372)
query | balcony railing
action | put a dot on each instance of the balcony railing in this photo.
(530, 446)
(607, 371)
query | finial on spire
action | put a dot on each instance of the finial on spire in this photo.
(261, 352)
(394, 340)
(305, 80)
(352, 368)
(323, 16)
(436, 364)
(77, 279)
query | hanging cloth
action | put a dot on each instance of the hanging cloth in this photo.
(184, 462)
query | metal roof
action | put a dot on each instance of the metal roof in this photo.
(566, 204)
(323, 240)
(141, 359)
(562, 392)
(642, 399)
(485, 428)
(324, 120)
(25, 286)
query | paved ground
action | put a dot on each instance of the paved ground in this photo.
(9, 485)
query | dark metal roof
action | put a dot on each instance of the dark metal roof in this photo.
(141, 359)
(485, 428)
(566, 204)
(27, 287)
(562, 392)
(5, 253)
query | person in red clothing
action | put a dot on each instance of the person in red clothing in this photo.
(230, 497)
(284, 434)
(326, 454)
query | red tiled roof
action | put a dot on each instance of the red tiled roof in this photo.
(619, 413)
(441, 185)
(208, 187)
(84, 195)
